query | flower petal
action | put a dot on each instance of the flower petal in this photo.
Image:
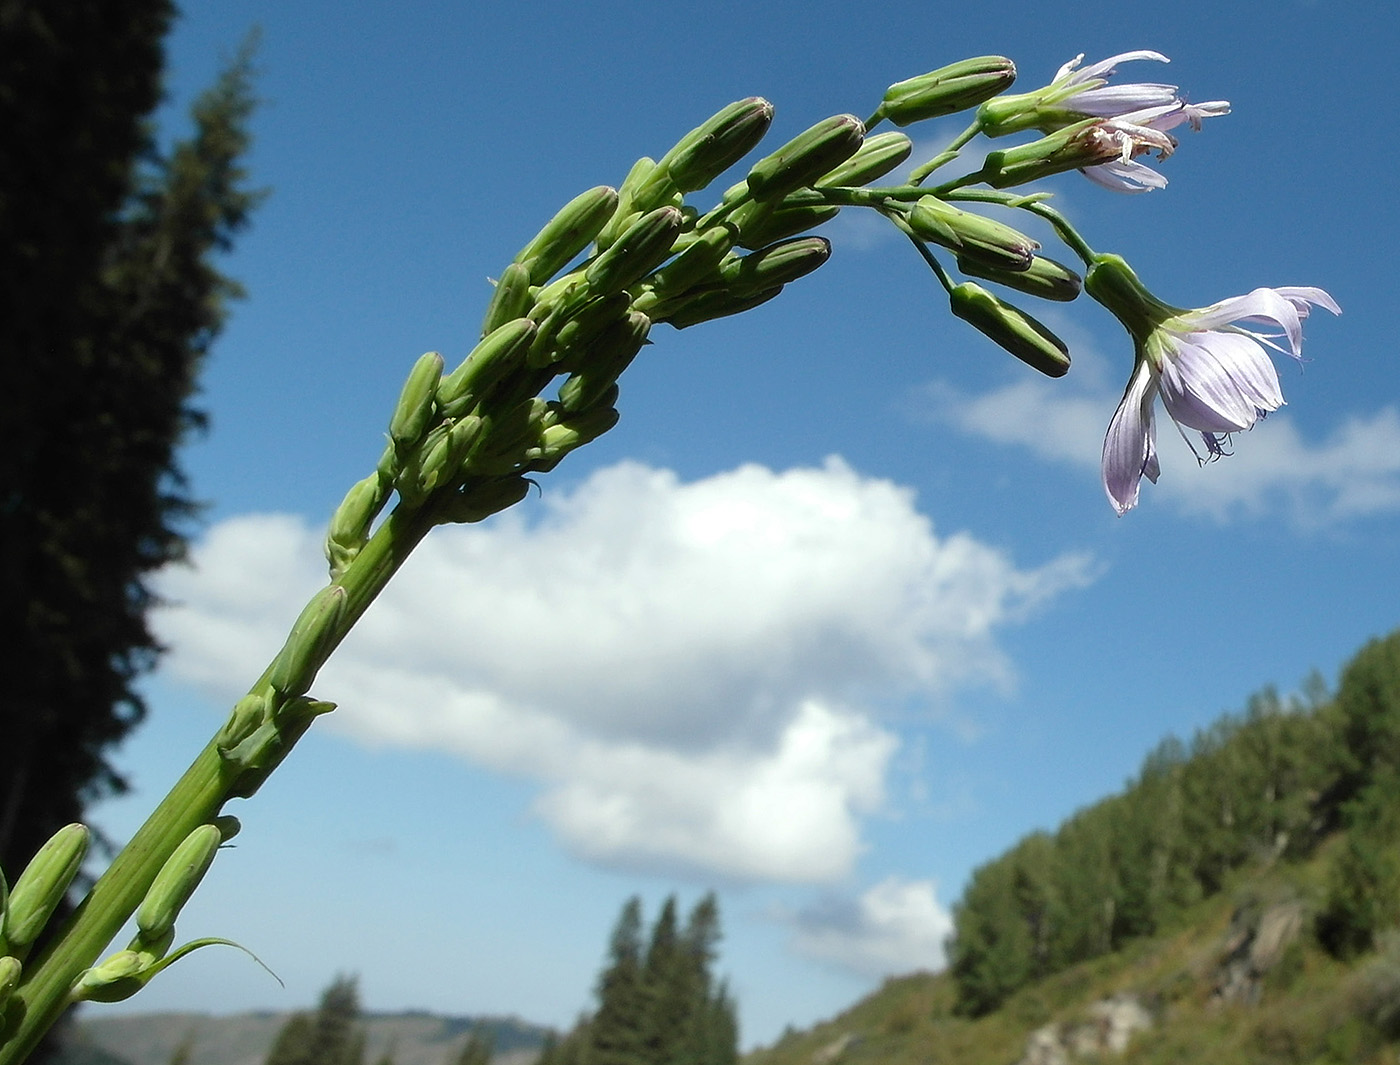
(1213, 384)
(1105, 67)
(1129, 446)
(1261, 305)
(1125, 177)
(1108, 101)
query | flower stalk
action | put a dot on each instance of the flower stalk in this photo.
(568, 315)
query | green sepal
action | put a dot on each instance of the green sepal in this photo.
(717, 144)
(973, 236)
(176, 881)
(42, 886)
(878, 155)
(806, 157)
(1012, 328)
(948, 90)
(568, 233)
(1045, 278)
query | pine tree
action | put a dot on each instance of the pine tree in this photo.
(661, 1007)
(330, 1036)
(109, 303)
(616, 1032)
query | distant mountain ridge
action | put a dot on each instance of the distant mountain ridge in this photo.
(415, 1037)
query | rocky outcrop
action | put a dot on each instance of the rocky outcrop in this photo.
(1106, 1028)
(1254, 944)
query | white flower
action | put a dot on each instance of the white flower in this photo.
(1213, 375)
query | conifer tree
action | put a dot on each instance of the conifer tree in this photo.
(330, 1036)
(110, 300)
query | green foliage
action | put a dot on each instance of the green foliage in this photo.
(111, 299)
(478, 1048)
(1251, 788)
(658, 1004)
(331, 1036)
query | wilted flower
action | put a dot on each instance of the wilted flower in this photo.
(1137, 115)
(1213, 375)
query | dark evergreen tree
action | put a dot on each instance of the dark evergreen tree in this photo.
(661, 1006)
(617, 1033)
(330, 1036)
(109, 302)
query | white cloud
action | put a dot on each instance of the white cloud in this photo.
(894, 927)
(693, 673)
(1353, 472)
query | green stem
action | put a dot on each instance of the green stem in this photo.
(947, 155)
(196, 798)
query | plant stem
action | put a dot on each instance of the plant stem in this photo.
(194, 800)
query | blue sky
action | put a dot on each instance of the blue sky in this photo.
(839, 610)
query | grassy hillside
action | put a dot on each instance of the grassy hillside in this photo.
(416, 1038)
(1303, 1007)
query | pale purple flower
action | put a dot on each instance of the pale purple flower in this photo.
(1137, 113)
(1213, 375)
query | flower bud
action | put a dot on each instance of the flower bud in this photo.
(501, 352)
(309, 643)
(610, 352)
(349, 525)
(1012, 328)
(707, 306)
(263, 751)
(478, 500)
(247, 714)
(806, 157)
(947, 90)
(176, 881)
(878, 155)
(439, 461)
(1044, 278)
(646, 187)
(42, 886)
(696, 264)
(972, 235)
(573, 338)
(509, 300)
(415, 407)
(774, 265)
(573, 432)
(641, 248)
(10, 971)
(1087, 143)
(712, 148)
(568, 233)
(761, 224)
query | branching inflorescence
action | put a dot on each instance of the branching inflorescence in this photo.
(569, 314)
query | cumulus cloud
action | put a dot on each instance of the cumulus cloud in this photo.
(693, 672)
(1352, 472)
(894, 927)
